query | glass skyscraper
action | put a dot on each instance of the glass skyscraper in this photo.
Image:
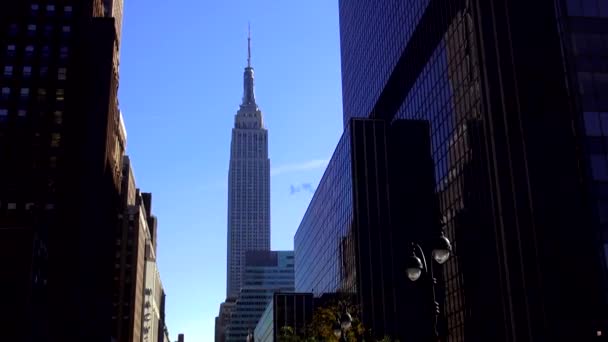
(513, 93)
(248, 185)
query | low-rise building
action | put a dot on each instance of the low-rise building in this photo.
(293, 310)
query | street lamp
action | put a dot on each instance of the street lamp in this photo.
(343, 325)
(442, 249)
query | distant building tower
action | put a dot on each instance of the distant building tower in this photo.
(180, 338)
(266, 273)
(293, 310)
(248, 185)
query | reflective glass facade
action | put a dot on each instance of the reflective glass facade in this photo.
(369, 55)
(584, 29)
(293, 310)
(328, 219)
(346, 241)
(489, 77)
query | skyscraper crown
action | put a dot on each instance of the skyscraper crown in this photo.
(248, 93)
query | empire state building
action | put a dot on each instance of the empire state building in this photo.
(248, 184)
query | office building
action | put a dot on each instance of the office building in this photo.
(163, 331)
(293, 310)
(248, 185)
(151, 308)
(266, 273)
(61, 153)
(223, 318)
(512, 93)
(180, 338)
(248, 194)
(131, 236)
(347, 241)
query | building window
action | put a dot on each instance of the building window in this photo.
(35, 7)
(599, 167)
(61, 74)
(50, 8)
(6, 91)
(67, 9)
(53, 162)
(25, 92)
(66, 29)
(12, 30)
(46, 51)
(8, 70)
(3, 113)
(44, 70)
(60, 95)
(29, 50)
(21, 113)
(58, 117)
(31, 29)
(12, 206)
(63, 52)
(27, 71)
(55, 139)
(10, 50)
(48, 29)
(41, 94)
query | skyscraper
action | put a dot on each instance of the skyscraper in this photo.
(514, 95)
(61, 150)
(248, 184)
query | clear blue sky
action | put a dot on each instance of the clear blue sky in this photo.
(180, 86)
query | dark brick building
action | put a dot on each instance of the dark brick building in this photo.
(61, 149)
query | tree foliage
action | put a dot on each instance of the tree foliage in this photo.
(322, 326)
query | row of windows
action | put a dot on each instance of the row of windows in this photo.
(33, 28)
(27, 71)
(29, 51)
(50, 8)
(26, 206)
(371, 50)
(587, 8)
(318, 242)
(24, 93)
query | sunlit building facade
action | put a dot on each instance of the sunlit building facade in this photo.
(248, 186)
(266, 273)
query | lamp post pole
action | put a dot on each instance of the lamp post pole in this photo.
(343, 325)
(415, 266)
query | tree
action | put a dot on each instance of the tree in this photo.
(287, 334)
(323, 322)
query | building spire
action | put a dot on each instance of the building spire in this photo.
(249, 45)
(248, 94)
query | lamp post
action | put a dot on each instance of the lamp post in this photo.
(343, 325)
(442, 249)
